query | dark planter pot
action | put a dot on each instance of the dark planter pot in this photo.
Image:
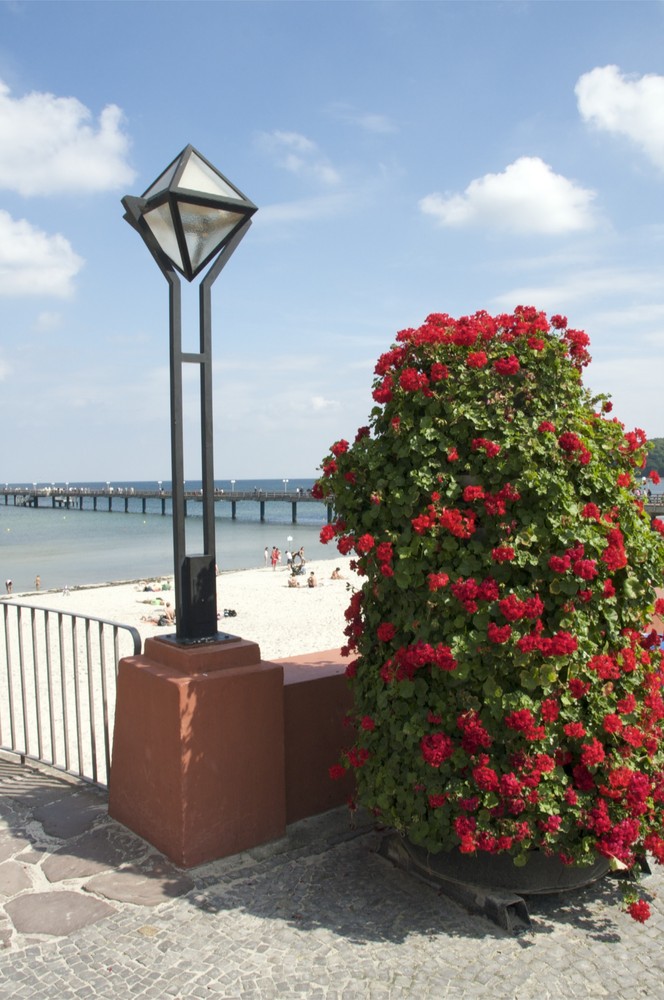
(541, 874)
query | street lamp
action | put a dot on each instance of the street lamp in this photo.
(232, 486)
(189, 216)
(285, 482)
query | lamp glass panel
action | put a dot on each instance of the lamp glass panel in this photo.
(198, 176)
(160, 221)
(205, 229)
(163, 181)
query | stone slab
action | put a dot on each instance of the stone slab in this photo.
(13, 879)
(56, 913)
(11, 844)
(93, 853)
(149, 884)
(71, 815)
(25, 788)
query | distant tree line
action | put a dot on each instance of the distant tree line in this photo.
(656, 457)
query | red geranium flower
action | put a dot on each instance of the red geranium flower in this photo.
(471, 493)
(477, 359)
(384, 552)
(507, 366)
(502, 553)
(436, 748)
(364, 544)
(385, 631)
(498, 634)
(639, 910)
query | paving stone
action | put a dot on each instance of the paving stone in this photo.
(56, 913)
(323, 918)
(13, 879)
(11, 843)
(70, 815)
(93, 853)
(147, 885)
(31, 857)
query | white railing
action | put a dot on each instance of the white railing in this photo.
(57, 687)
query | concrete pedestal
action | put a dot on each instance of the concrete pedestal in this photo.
(198, 749)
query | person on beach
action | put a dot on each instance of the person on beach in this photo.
(266, 556)
(336, 575)
(311, 580)
(166, 617)
(289, 558)
(275, 557)
(8, 586)
(37, 583)
(292, 582)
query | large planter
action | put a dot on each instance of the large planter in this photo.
(541, 875)
(505, 697)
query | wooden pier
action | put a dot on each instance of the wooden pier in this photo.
(132, 501)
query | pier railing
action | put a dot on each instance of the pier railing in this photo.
(57, 687)
(134, 501)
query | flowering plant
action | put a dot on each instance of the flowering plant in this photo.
(507, 693)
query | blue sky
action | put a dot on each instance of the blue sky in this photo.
(406, 158)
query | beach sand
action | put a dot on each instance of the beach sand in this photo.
(284, 621)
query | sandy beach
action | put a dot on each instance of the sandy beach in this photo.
(284, 621)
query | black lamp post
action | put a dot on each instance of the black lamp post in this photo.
(189, 216)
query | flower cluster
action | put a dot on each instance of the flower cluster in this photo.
(508, 693)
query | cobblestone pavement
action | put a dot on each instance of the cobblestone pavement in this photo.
(87, 910)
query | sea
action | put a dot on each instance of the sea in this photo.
(71, 547)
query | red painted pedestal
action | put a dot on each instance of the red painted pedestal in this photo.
(198, 749)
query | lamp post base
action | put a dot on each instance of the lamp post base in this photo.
(198, 749)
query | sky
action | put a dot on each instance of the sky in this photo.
(405, 157)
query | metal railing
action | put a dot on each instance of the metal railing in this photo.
(57, 687)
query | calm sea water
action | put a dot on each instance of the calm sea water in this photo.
(73, 547)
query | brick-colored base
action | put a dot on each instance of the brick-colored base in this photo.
(215, 751)
(198, 757)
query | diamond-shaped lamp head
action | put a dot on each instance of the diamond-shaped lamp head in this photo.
(189, 214)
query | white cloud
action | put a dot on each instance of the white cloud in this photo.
(583, 285)
(47, 321)
(51, 144)
(34, 263)
(633, 383)
(379, 124)
(304, 210)
(527, 197)
(639, 316)
(299, 155)
(320, 403)
(625, 105)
